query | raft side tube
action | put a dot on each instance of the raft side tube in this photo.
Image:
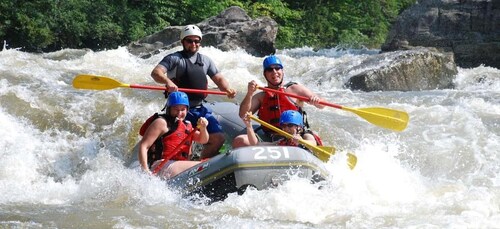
(260, 167)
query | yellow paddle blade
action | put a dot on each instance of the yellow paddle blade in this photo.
(96, 82)
(383, 117)
(351, 158)
(321, 154)
(325, 156)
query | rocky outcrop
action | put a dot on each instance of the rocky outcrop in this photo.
(230, 30)
(468, 28)
(412, 70)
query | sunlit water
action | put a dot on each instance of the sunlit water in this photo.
(63, 151)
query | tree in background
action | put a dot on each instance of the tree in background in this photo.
(350, 23)
(327, 23)
(42, 26)
(96, 24)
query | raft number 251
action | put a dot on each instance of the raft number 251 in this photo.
(264, 153)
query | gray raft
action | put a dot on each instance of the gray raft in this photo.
(260, 167)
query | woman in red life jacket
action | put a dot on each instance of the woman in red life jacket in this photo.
(291, 122)
(171, 135)
(271, 105)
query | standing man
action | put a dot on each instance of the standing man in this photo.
(271, 105)
(189, 69)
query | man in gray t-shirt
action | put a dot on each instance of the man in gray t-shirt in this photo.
(189, 69)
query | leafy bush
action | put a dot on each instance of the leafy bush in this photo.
(42, 26)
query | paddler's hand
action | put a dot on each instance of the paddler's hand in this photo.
(296, 138)
(171, 87)
(147, 171)
(314, 100)
(247, 120)
(231, 93)
(202, 123)
(252, 87)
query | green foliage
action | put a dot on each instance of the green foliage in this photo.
(286, 18)
(199, 10)
(27, 23)
(41, 25)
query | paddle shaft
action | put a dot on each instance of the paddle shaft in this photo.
(187, 90)
(95, 82)
(303, 98)
(383, 117)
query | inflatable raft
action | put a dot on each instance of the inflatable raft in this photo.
(259, 167)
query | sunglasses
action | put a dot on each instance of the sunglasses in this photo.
(196, 41)
(272, 68)
(289, 125)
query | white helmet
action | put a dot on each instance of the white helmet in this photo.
(191, 30)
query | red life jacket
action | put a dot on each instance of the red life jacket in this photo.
(164, 146)
(146, 124)
(178, 135)
(273, 105)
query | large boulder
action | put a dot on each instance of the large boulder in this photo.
(230, 30)
(412, 70)
(468, 28)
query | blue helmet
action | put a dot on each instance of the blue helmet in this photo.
(291, 116)
(271, 60)
(177, 98)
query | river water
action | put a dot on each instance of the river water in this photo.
(64, 151)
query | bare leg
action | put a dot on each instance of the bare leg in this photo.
(215, 142)
(179, 167)
(240, 140)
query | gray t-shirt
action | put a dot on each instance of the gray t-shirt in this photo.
(174, 62)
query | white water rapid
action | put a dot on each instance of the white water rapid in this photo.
(63, 151)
